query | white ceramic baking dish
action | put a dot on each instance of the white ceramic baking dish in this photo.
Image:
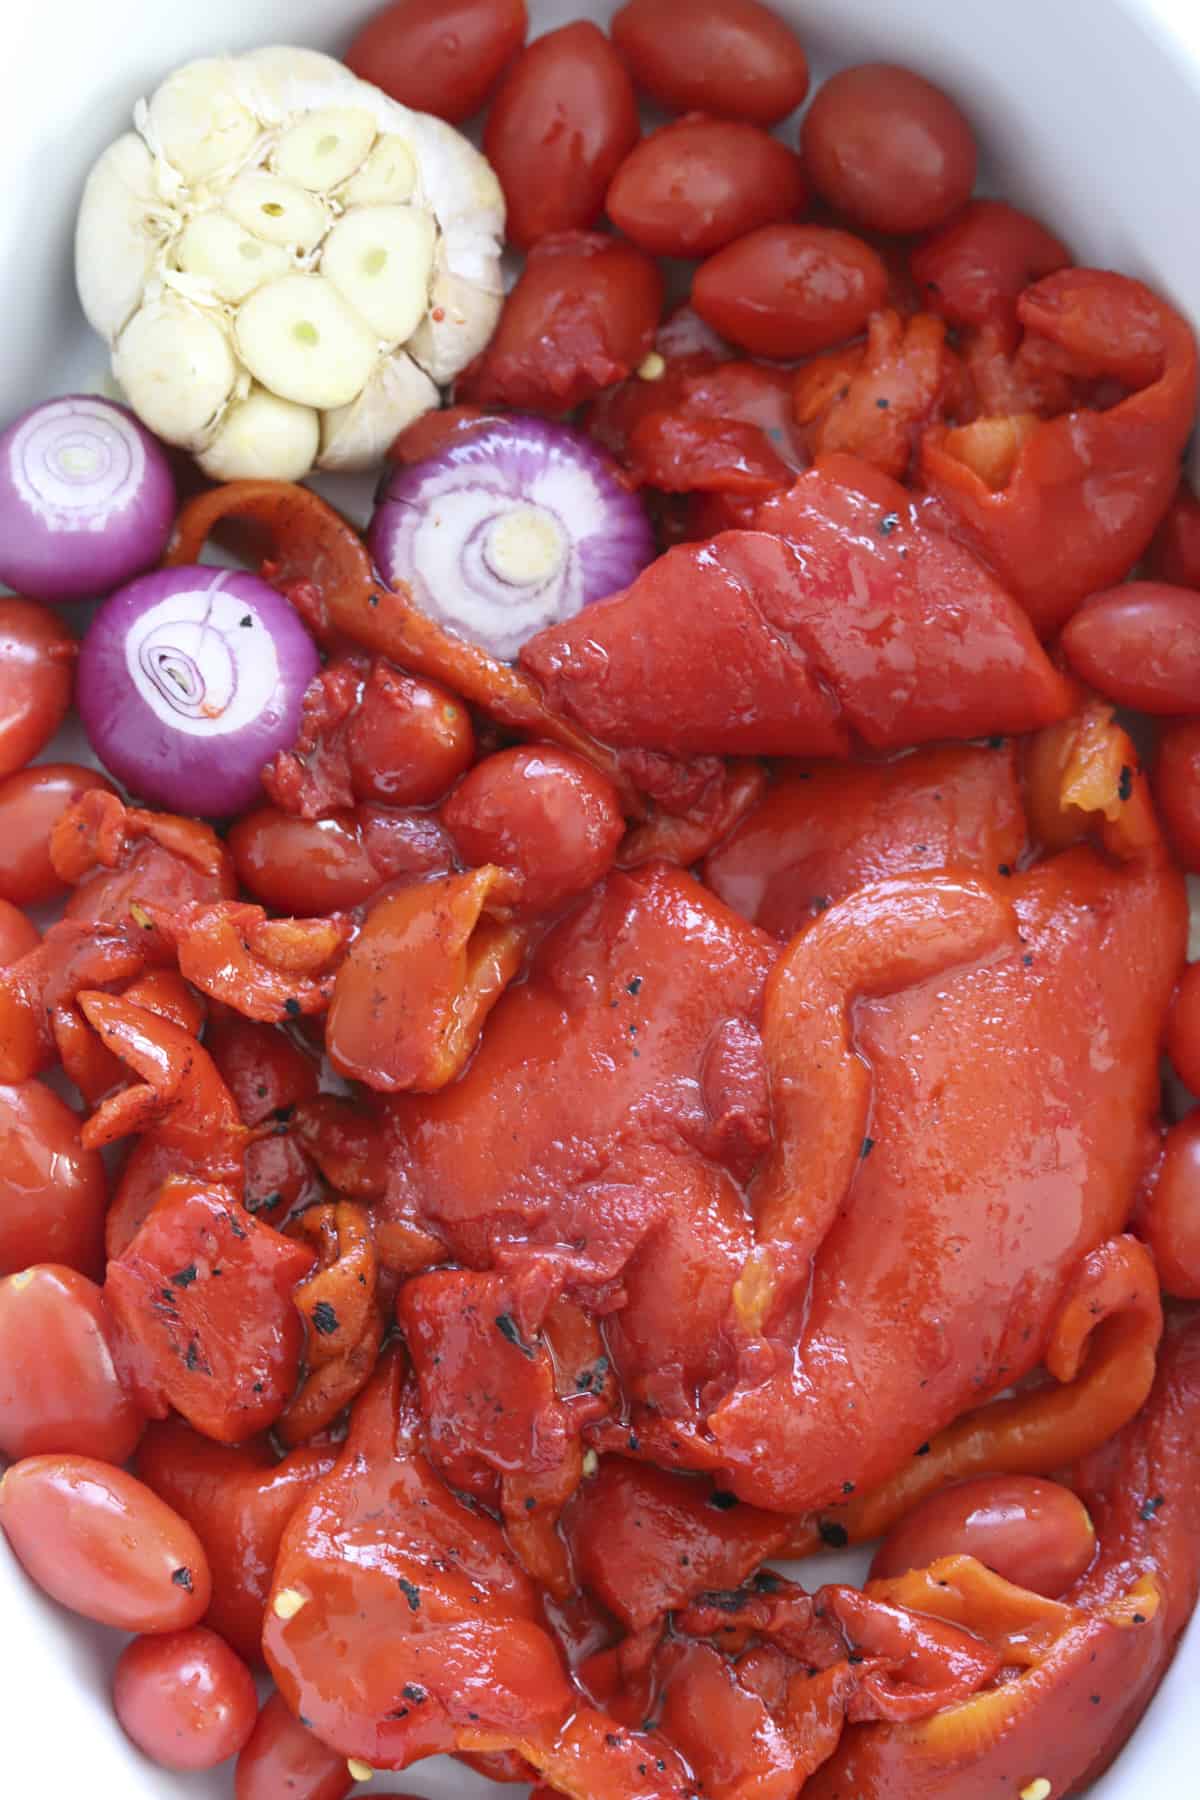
(1088, 111)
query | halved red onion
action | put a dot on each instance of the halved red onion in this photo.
(86, 499)
(514, 526)
(190, 680)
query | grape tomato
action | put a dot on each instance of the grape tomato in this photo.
(53, 1192)
(283, 1757)
(789, 290)
(698, 184)
(888, 150)
(1139, 645)
(1175, 776)
(1034, 1533)
(99, 1542)
(563, 121)
(439, 56)
(184, 1698)
(37, 671)
(59, 1387)
(733, 58)
(18, 934)
(31, 803)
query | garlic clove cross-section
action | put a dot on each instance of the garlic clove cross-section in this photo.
(287, 264)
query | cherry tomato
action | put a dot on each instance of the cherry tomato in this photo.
(732, 58)
(439, 56)
(408, 741)
(184, 1698)
(37, 669)
(18, 935)
(31, 804)
(1139, 645)
(888, 149)
(52, 1191)
(308, 867)
(98, 1541)
(1034, 1533)
(283, 1758)
(1183, 1029)
(559, 128)
(1176, 781)
(1175, 553)
(59, 1389)
(695, 186)
(788, 290)
(1170, 1220)
(543, 814)
(973, 270)
(581, 317)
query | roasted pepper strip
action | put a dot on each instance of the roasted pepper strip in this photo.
(1091, 1664)
(180, 1098)
(411, 998)
(267, 969)
(1087, 490)
(877, 941)
(1102, 1357)
(1084, 776)
(319, 562)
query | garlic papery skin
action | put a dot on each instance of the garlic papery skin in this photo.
(286, 264)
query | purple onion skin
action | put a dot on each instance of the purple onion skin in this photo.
(220, 662)
(524, 462)
(49, 552)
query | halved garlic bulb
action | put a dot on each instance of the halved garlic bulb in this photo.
(286, 263)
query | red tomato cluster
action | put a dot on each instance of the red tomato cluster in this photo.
(692, 1097)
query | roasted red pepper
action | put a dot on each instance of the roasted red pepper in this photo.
(782, 655)
(1085, 492)
(238, 1502)
(204, 1307)
(399, 1622)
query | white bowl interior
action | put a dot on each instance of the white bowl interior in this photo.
(1087, 114)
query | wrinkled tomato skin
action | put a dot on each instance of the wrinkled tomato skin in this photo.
(1176, 781)
(695, 186)
(542, 814)
(439, 56)
(283, 1758)
(99, 1542)
(309, 867)
(733, 58)
(185, 1699)
(37, 668)
(888, 150)
(1139, 645)
(18, 935)
(558, 130)
(1034, 1533)
(790, 290)
(31, 804)
(582, 316)
(408, 741)
(59, 1388)
(52, 1191)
